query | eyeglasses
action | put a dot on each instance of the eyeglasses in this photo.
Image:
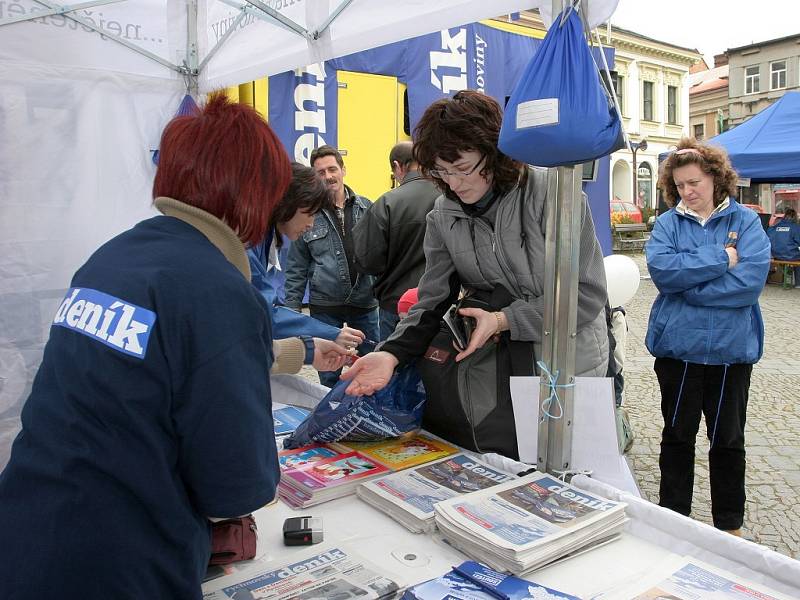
(441, 173)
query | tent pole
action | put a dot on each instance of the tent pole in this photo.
(559, 324)
(228, 32)
(562, 252)
(331, 18)
(298, 29)
(113, 37)
(191, 48)
(62, 10)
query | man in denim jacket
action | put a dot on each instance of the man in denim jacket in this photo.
(323, 258)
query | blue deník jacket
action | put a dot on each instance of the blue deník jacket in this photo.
(318, 257)
(706, 313)
(785, 239)
(285, 322)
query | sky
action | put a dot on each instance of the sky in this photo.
(710, 26)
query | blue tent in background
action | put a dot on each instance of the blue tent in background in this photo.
(766, 147)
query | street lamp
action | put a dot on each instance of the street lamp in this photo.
(634, 147)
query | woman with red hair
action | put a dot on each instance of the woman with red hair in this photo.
(150, 412)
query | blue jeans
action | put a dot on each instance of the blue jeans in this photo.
(389, 321)
(366, 322)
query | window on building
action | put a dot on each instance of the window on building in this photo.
(777, 79)
(672, 104)
(751, 75)
(617, 81)
(647, 101)
(699, 132)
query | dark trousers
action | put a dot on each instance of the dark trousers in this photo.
(367, 322)
(687, 390)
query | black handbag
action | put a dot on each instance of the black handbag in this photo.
(469, 403)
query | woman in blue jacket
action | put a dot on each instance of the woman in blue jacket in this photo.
(708, 257)
(293, 216)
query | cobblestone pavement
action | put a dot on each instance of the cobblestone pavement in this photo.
(772, 515)
(772, 434)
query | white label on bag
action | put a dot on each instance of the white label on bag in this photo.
(535, 113)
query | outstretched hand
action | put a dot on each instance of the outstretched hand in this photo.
(370, 373)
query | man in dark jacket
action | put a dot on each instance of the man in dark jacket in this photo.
(323, 258)
(387, 242)
(784, 237)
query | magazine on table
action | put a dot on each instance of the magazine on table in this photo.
(409, 496)
(474, 581)
(686, 578)
(320, 574)
(404, 452)
(321, 472)
(314, 474)
(528, 522)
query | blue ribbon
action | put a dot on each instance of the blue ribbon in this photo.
(552, 383)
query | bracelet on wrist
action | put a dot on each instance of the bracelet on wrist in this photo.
(499, 316)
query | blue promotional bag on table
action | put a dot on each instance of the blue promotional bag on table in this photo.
(391, 412)
(560, 113)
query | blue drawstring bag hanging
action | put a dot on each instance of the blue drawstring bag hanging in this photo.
(560, 113)
(390, 412)
(187, 107)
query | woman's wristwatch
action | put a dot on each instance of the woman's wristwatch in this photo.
(308, 341)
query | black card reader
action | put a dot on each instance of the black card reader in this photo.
(302, 531)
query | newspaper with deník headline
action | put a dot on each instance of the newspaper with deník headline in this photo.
(409, 496)
(526, 523)
(320, 574)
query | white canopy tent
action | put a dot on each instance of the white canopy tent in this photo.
(85, 91)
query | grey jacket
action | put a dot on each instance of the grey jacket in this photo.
(465, 250)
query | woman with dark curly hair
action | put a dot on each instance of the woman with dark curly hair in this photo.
(292, 217)
(708, 257)
(486, 236)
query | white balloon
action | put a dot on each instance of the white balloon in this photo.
(622, 279)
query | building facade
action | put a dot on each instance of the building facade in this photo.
(708, 100)
(652, 82)
(761, 73)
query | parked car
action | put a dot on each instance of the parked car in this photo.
(627, 209)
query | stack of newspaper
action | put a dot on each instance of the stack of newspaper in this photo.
(336, 572)
(408, 496)
(527, 523)
(318, 473)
